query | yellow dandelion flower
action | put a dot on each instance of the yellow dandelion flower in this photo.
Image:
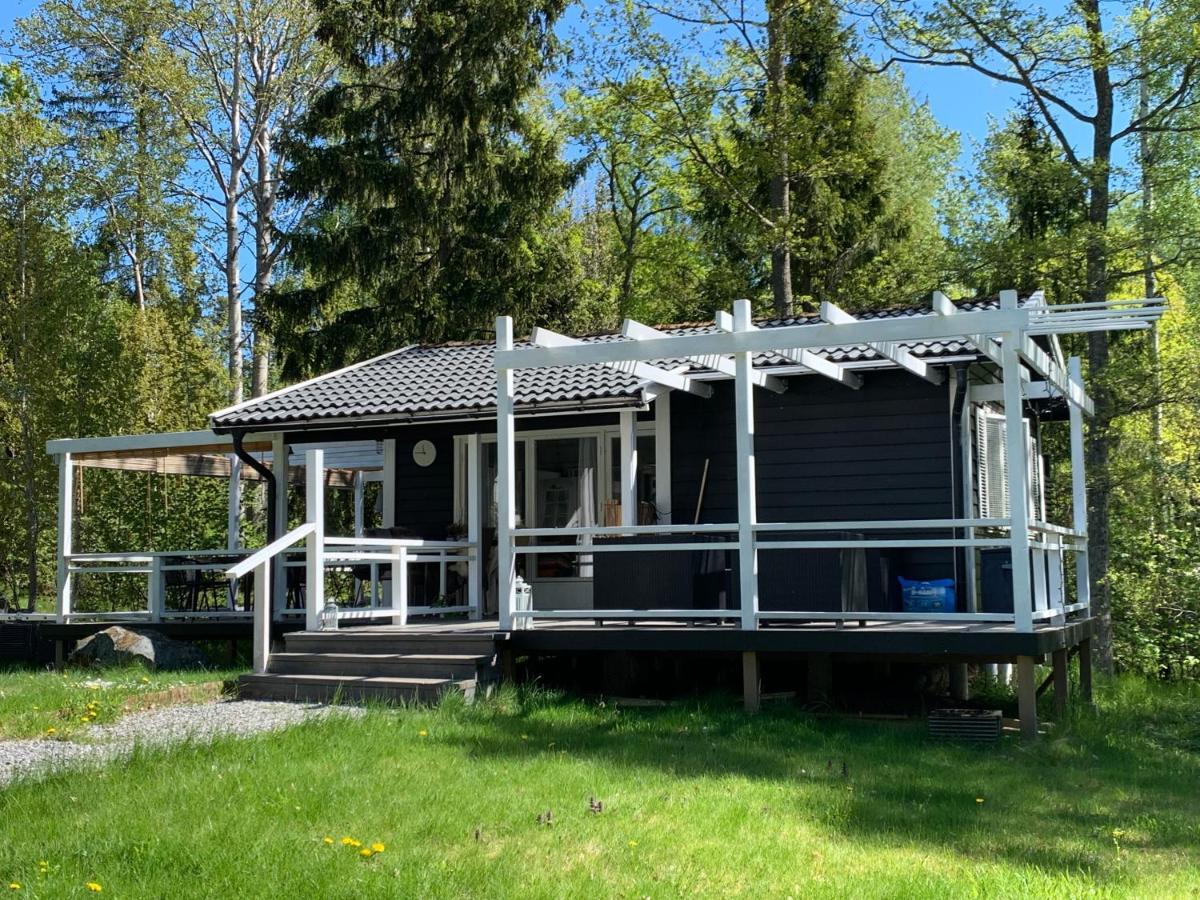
(422, 733)
(348, 842)
(95, 887)
(378, 847)
(14, 885)
(978, 799)
(51, 730)
(365, 852)
(524, 737)
(327, 840)
(633, 843)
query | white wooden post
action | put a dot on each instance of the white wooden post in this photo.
(968, 500)
(66, 527)
(474, 529)
(1079, 512)
(279, 469)
(400, 585)
(629, 464)
(359, 521)
(314, 581)
(506, 501)
(1017, 448)
(234, 526)
(389, 506)
(262, 620)
(743, 388)
(662, 456)
(155, 593)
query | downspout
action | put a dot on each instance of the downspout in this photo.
(957, 472)
(267, 475)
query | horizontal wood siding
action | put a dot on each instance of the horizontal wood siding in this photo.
(825, 453)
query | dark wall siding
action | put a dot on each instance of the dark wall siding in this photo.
(824, 453)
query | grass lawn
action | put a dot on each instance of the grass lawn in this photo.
(697, 800)
(37, 703)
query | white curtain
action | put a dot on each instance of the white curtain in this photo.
(585, 514)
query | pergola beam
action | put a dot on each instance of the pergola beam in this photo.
(1041, 362)
(819, 365)
(723, 364)
(544, 337)
(887, 349)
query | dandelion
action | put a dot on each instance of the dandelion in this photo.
(327, 840)
(978, 799)
(365, 852)
(95, 887)
(422, 733)
(632, 844)
(378, 847)
(51, 730)
(14, 885)
(524, 737)
(349, 842)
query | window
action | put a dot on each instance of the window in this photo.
(991, 466)
(646, 488)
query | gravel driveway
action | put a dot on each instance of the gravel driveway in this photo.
(157, 727)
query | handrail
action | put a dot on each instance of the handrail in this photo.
(271, 550)
(342, 541)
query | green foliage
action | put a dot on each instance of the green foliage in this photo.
(432, 188)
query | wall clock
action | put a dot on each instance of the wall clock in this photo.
(424, 453)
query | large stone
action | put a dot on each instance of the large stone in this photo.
(117, 646)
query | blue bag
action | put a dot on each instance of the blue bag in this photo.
(928, 596)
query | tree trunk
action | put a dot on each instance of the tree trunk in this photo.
(232, 280)
(1099, 441)
(264, 248)
(781, 250)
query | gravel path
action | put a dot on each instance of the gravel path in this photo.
(158, 727)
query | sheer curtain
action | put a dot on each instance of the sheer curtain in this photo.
(585, 513)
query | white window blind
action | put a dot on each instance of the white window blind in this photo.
(991, 467)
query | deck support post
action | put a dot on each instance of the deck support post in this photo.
(1085, 671)
(1061, 661)
(474, 529)
(662, 457)
(1018, 479)
(66, 529)
(314, 512)
(819, 688)
(279, 470)
(1027, 697)
(506, 500)
(743, 388)
(261, 624)
(751, 683)
(629, 464)
(1083, 585)
(960, 684)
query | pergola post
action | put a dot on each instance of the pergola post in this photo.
(506, 500)
(314, 513)
(474, 529)
(1018, 487)
(743, 388)
(234, 527)
(279, 470)
(629, 464)
(662, 457)
(1083, 585)
(66, 528)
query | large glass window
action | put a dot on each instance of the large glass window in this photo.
(489, 450)
(647, 513)
(564, 496)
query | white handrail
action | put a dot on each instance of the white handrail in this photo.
(271, 550)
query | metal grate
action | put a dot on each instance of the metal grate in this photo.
(965, 724)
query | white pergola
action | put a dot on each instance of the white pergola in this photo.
(1003, 335)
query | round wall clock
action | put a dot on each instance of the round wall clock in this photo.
(424, 453)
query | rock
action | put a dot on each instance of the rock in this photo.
(117, 646)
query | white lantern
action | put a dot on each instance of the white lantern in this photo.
(329, 616)
(524, 599)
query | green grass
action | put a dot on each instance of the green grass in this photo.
(699, 800)
(32, 701)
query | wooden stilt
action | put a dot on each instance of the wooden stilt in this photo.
(1085, 670)
(751, 686)
(1027, 697)
(820, 678)
(1061, 663)
(960, 686)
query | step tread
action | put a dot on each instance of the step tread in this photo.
(305, 655)
(381, 681)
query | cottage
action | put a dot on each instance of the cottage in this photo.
(750, 487)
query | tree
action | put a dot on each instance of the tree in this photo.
(1073, 66)
(431, 190)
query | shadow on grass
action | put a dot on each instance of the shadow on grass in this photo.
(1131, 770)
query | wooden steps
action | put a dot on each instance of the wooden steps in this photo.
(377, 665)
